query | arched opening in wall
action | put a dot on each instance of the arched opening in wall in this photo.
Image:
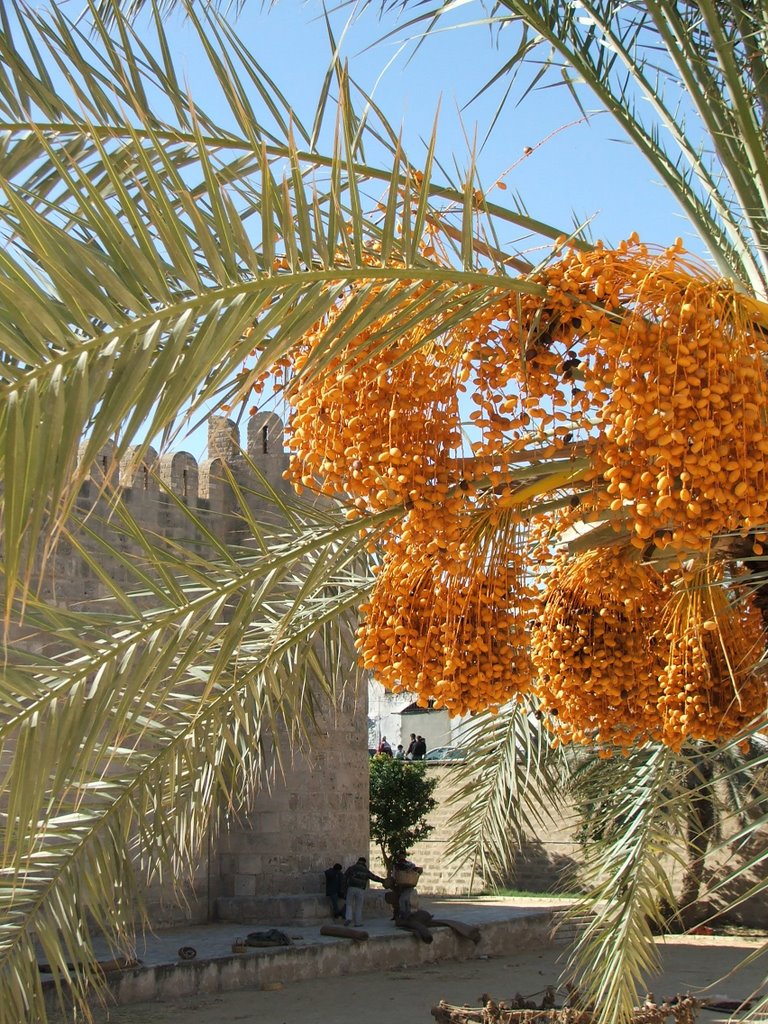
(265, 439)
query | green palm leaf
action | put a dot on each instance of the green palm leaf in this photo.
(632, 824)
(140, 249)
(120, 747)
(508, 780)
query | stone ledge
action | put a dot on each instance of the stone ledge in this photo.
(324, 957)
(288, 909)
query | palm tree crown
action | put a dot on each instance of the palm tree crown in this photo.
(159, 259)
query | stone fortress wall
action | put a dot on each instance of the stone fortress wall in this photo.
(550, 862)
(268, 865)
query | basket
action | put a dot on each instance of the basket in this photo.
(407, 876)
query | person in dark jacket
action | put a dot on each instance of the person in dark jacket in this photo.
(334, 889)
(357, 877)
(401, 894)
(419, 749)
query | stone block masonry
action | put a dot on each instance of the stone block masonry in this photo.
(540, 865)
(312, 810)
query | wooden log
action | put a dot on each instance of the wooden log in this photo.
(341, 932)
(465, 930)
(413, 924)
(424, 918)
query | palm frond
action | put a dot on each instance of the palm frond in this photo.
(122, 741)
(685, 82)
(625, 875)
(145, 253)
(502, 790)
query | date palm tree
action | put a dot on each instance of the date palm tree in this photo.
(686, 84)
(152, 248)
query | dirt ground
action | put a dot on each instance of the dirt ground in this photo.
(406, 995)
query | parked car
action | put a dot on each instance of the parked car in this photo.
(446, 754)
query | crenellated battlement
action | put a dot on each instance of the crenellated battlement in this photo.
(280, 848)
(203, 484)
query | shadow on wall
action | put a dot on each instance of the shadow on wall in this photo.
(538, 869)
(751, 859)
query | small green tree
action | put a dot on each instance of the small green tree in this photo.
(400, 800)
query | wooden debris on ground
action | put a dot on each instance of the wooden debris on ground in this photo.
(340, 931)
(420, 922)
(681, 1010)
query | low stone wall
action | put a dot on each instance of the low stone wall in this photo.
(551, 862)
(323, 958)
(543, 865)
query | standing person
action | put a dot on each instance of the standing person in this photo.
(411, 747)
(334, 889)
(401, 894)
(357, 877)
(399, 753)
(384, 747)
(420, 749)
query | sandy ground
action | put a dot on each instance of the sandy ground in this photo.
(405, 996)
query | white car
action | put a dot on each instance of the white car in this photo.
(446, 754)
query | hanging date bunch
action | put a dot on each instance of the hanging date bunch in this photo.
(594, 649)
(375, 407)
(671, 393)
(451, 622)
(711, 685)
(630, 380)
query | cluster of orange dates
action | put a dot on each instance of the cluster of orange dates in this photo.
(629, 379)
(624, 656)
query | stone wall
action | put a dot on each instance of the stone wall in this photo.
(311, 810)
(550, 862)
(540, 867)
(271, 866)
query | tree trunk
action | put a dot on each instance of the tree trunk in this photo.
(701, 823)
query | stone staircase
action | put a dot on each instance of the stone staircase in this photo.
(567, 925)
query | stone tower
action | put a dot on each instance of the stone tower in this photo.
(267, 865)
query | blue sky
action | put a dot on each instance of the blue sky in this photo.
(582, 169)
(578, 169)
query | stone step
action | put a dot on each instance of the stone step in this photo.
(217, 968)
(289, 909)
(567, 926)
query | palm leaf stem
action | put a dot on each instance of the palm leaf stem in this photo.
(223, 143)
(723, 237)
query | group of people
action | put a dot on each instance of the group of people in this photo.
(348, 887)
(417, 748)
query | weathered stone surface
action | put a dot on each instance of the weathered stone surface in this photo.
(315, 810)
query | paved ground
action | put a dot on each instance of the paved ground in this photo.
(404, 993)
(215, 940)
